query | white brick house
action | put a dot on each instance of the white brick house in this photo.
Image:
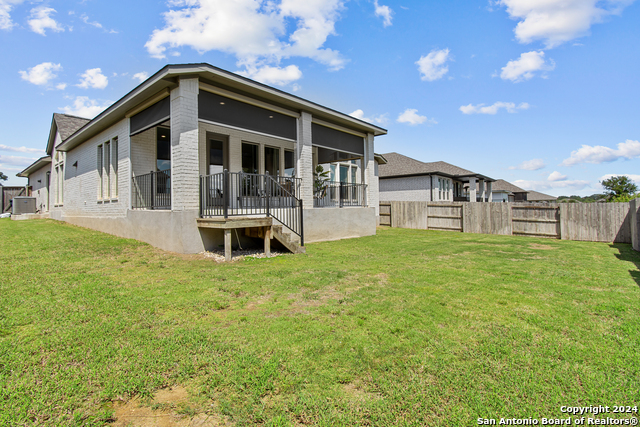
(195, 151)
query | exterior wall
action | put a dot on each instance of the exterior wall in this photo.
(338, 223)
(82, 182)
(39, 189)
(143, 152)
(236, 138)
(407, 189)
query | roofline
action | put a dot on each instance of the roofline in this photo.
(38, 164)
(446, 175)
(177, 70)
(380, 158)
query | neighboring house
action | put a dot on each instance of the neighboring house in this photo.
(194, 152)
(534, 196)
(44, 178)
(504, 191)
(405, 179)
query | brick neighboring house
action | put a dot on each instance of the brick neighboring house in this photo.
(405, 179)
(195, 151)
(504, 191)
(535, 196)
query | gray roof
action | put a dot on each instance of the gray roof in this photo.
(399, 165)
(502, 185)
(68, 125)
(535, 196)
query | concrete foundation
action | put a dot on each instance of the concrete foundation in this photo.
(324, 224)
(24, 217)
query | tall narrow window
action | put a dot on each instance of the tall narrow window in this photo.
(344, 173)
(107, 168)
(163, 162)
(289, 163)
(249, 158)
(354, 174)
(216, 156)
(272, 160)
(62, 183)
(114, 162)
(100, 170)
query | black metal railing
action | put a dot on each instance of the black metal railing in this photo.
(244, 194)
(152, 190)
(339, 194)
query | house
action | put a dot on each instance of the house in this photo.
(504, 191)
(405, 179)
(196, 152)
(537, 197)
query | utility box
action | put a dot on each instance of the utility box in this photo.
(23, 205)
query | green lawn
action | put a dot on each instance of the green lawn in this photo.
(403, 328)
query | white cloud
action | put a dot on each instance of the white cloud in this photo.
(530, 165)
(412, 117)
(556, 176)
(21, 149)
(257, 32)
(359, 114)
(40, 20)
(93, 78)
(61, 86)
(85, 19)
(432, 67)
(141, 76)
(384, 12)
(526, 67)
(599, 154)
(16, 160)
(558, 21)
(493, 109)
(41, 74)
(85, 107)
(272, 75)
(5, 13)
(552, 185)
(634, 178)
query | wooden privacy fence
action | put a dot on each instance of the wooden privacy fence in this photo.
(7, 194)
(595, 222)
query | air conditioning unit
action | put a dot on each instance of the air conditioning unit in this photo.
(23, 205)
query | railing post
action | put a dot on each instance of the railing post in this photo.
(340, 192)
(153, 197)
(225, 185)
(301, 222)
(267, 192)
(201, 198)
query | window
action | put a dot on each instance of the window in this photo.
(272, 160)
(249, 158)
(289, 163)
(100, 167)
(216, 156)
(163, 149)
(344, 173)
(107, 168)
(114, 163)
(333, 173)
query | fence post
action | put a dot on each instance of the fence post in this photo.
(634, 206)
(225, 185)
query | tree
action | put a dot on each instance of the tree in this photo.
(320, 178)
(3, 177)
(619, 188)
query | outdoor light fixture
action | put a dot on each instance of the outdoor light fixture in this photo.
(39, 180)
(221, 103)
(75, 165)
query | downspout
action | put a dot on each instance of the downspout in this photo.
(431, 185)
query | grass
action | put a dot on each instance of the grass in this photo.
(403, 328)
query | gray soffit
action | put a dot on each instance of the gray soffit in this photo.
(399, 166)
(168, 78)
(35, 166)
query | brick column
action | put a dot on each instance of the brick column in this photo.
(472, 190)
(184, 146)
(369, 174)
(304, 159)
(490, 194)
(482, 190)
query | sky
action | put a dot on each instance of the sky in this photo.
(541, 93)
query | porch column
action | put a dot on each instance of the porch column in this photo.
(184, 146)
(472, 190)
(482, 190)
(490, 195)
(372, 194)
(304, 159)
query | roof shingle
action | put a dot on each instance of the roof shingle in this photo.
(68, 125)
(399, 165)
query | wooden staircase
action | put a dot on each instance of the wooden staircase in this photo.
(288, 239)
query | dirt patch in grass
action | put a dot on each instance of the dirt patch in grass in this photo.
(541, 247)
(170, 407)
(356, 392)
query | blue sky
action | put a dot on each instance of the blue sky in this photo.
(542, 93)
